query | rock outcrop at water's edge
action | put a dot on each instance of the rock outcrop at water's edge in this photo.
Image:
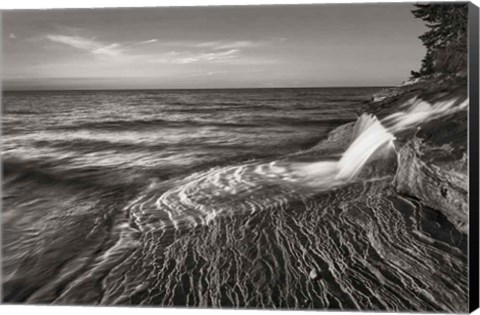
(441, 188)
(432, 158)
(433, 162)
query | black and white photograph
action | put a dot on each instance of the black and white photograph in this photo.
(301, 157)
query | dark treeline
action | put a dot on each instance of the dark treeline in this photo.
(446, 39)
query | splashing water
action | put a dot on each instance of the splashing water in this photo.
(417, 111)
(368, 137)
(240, 189)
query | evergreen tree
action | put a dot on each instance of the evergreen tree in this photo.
(446, 39)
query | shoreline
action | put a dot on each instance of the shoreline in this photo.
(432, 163)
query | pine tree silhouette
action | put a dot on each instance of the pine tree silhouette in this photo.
(446, 39)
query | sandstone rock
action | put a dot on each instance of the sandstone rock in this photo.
(441, 188)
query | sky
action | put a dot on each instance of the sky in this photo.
(211, 47)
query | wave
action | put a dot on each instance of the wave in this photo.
(28, 174)
(148, 123)
(139, 124)
(201, 197)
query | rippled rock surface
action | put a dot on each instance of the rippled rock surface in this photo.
(368, 248)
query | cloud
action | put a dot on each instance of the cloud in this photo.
(217, 72)
(187, 52)
(187, 57)
(150, 41)
(208, 56)
(215, 51)
(228, 44)
(90, 45)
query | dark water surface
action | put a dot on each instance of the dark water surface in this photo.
(153, 198)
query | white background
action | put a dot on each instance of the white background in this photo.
(77, 310)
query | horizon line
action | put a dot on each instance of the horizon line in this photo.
(180, 89)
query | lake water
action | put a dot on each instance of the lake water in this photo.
(174, 198)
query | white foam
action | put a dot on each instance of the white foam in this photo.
(418, 111)
(370, 137)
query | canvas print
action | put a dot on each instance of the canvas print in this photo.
(277, 156)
